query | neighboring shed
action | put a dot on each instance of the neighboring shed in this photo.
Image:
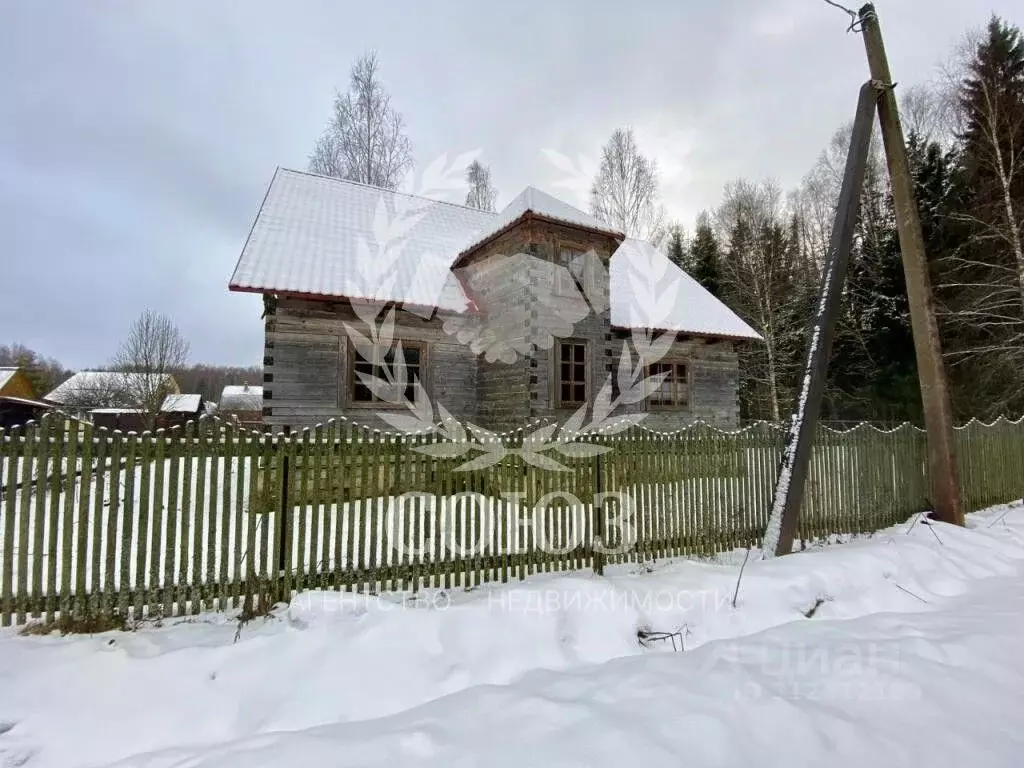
(14, 383)
(177, 410)
(243, 402)
(17, 411)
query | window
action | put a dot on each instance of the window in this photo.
(383, 368)
(674, 390)
(565, 284)
(572, 373)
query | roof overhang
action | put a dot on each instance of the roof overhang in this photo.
(534, 216)
(694, 334)
(425, 308)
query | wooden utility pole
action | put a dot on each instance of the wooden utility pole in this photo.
(938, 416)
(796, 456)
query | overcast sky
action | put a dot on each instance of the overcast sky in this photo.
(137, 138)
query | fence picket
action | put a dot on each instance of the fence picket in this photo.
(44, 513)
(68, 512)
(200, 517)
(144, 521)
(28, 468)
(300, 509)
(224, 461)
(9, 442)
(172, 456)
(244, 517)
(84, 580)
(127, 518)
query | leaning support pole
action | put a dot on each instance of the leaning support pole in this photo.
(789, 489)
(938, 415)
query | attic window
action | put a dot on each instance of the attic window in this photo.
(674, 391)
(572, 275)
(572, 373)
(412, 354)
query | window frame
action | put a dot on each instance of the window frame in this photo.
(351, 358)
(684, 386)
(558, 401)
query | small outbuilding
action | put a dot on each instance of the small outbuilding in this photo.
(177, 410)
(18, 411)
(243, 402)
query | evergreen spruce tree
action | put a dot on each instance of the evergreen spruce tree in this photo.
(675, 247)
(704, 256)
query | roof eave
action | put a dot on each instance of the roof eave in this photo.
(340, 297)
(702, 334)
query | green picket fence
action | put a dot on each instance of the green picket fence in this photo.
(99, 523)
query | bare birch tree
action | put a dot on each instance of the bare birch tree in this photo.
(153, 350)
(983, 278)
(764, 280)
(625, 192)
(365, 140)
(481, 193)
(992, 97)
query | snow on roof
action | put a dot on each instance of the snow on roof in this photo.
(241, 397)
(646, 290)
(318, 236)
(322, 236)
(89, 387)
(181, 404)
(532, 200)
(6, 374)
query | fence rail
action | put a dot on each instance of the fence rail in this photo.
(100, 523)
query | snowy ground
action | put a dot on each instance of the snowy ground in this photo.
(911, 656)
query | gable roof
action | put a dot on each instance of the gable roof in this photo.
(241, 397)
(317, 236)
(106, 387)
(532, 200)
(6, 374)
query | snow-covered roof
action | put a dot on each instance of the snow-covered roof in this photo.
(324, 237)
(182, 404)
(532, 200)
(106, 387)
(646, 290)
(241, 397)
(6, 374)
(328, 237)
